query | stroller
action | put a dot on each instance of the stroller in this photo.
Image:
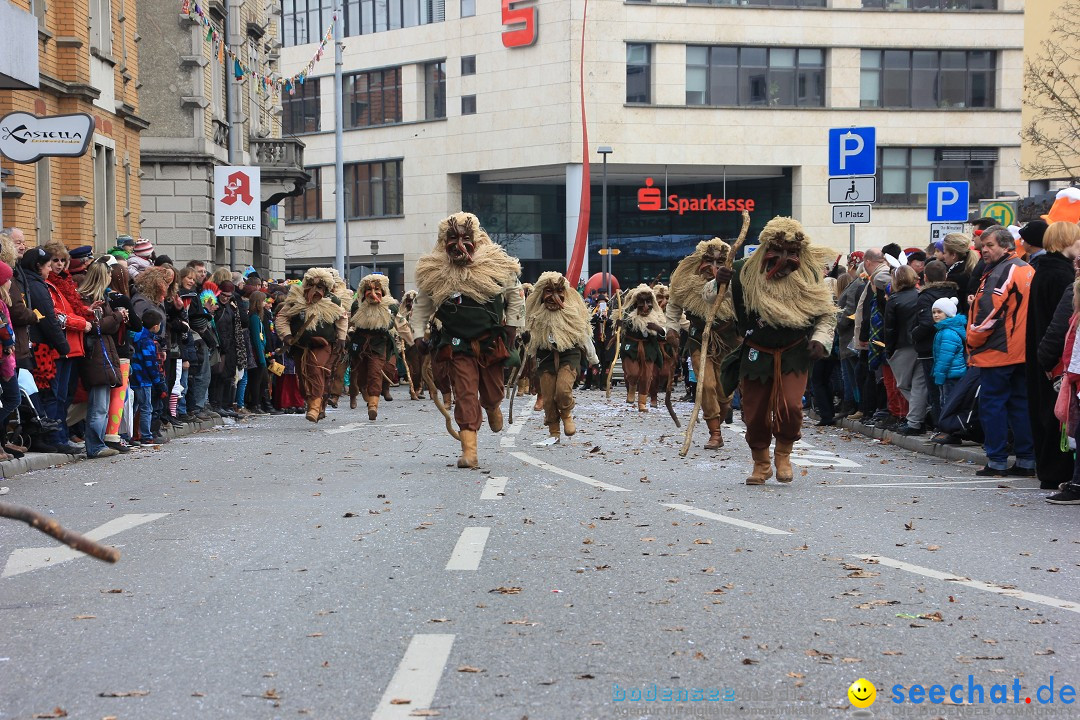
(960, 411)
(27, 426)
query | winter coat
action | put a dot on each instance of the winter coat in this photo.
(845, 322)
(997, 329)
(258, 340)
(1052, 344)
(922, 332)
(899, 318)
(136, 265)
(36, 296)
(865, 306)
(949, 360)
(75, 331)
(21, 319)
(101, 364)
(7, 339)
(1053, 275)
(145, 371)
(960, 275)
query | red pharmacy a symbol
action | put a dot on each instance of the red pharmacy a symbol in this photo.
(237, 187)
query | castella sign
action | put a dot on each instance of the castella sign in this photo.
(650, 199)
(514, 16)
(237, 208)
(26, 138)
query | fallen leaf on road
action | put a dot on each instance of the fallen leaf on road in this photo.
(198, 694)
(892, 652)
(910, 525)
(425, 713)
(935, 616)
(469, 669)
(648, 539)
(113, 591)
(1047, 651)
(271, 694)
(587, 541)
(523, 621)
(315, 635)
(586, 676)
(933, 548)
(850, 660)
(58, 712)
(862, 574)
(749, 661)
(703, 542)
(506, 590)
(439, 620)
(349, 514)
(796, 675)
(132, 693)
(399, 701)
(85, 617)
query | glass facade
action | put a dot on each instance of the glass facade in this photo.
(529, 221)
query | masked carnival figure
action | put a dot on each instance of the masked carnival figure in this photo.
(643, 332)
(410, 354)
(786, 316)
(471, 286)
(557, 322)
(693, 293)
(313, 324)
(371, 342)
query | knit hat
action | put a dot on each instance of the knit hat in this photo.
(916, 256)
(1033, 232)
(144, 248)
(946, 305)
(227, 287)
(5, 272)
(1066, 207)
(163, 260)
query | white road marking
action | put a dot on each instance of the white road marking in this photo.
(416, 678)
(469, 549)
(494, 488)
(933, 486)
(522, 417)
(350, 427)
(977, 584)
(899, 475)
(27, 559)
(566, 473)
(507, 441)
(725, 519)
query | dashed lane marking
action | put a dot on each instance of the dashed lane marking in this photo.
(416, 678)
(566, 473)
(27, 559)
(968, 582)
(351, 427)
(469, 549)
(494, 488)
(724, 519)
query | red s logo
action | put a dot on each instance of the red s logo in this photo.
(522, 37)
(648, 197)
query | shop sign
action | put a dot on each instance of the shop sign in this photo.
(650, 200)
(26, 138)
(237, 201)
(514, 15)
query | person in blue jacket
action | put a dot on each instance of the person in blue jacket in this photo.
(950, 331)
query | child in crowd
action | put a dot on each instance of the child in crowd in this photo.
(145, 371)
(950, 329)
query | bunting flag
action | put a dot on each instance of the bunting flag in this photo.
(263, 82)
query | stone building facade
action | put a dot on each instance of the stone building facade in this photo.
(88, 59)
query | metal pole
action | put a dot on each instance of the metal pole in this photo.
(230, 106)
(605, 261)
(339, 152)
(851, 239)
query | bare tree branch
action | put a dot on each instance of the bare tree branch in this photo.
(1052, 93)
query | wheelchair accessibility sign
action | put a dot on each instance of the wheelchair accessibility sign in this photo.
(862, 189)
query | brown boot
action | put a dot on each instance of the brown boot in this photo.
(553, 430)
(567, 423)
(373, 407)
(629, 395)
(782, 458)
(314, 409)
(352, 402)
(468, 457)
(413, 395)
(716, 440)
(642, 402)
(495, 419)
(539, 404)
(762, 467)
(386, 392)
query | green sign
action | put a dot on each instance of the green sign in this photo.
(1002, 211)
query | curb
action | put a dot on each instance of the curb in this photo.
(920, 444)
(40, 461)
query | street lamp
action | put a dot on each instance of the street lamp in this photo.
(605, 259)
(375, 256)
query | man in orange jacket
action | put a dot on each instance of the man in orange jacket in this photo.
(996, 333)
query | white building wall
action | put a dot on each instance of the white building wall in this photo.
(528, 113)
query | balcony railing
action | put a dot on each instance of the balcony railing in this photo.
(283, 153)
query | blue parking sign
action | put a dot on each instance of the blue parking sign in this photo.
(852, 151)
(947, 201)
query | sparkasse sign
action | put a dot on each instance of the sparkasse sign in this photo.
(512, 16)
(650, 199)
(26, 138)
(237, 208)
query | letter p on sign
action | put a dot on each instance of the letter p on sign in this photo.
(852, 151)
(947, 201)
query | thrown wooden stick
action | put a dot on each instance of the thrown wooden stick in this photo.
(51, 527)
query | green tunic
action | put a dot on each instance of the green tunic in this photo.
(372, 342)
(723, 333)
(545, 359)
(643, 348)
(465, 322)
(755, 359)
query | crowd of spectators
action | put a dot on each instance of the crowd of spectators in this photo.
(101, 354)
(971, 337)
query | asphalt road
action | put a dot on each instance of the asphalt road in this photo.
(279, 569)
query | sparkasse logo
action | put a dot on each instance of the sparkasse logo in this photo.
(650, 199)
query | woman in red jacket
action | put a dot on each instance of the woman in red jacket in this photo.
(71, 312)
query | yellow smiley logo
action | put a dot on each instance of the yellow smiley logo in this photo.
(862, 693)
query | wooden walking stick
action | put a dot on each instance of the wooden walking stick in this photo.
(706, 337)
(618, 346)
(429, 380)
(51, 527)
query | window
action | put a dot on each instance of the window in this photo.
(468, 8)
(305, 21)
(775, 77)
(905, 172)
(373, 97)
(468, 104)
(930, 5)
(104, 159)
(928, 78)
(468, 65)
(435, 90)
(373, 189)
(101, 26)
(638, 74)
(43, 196)
(301, 110)
(309, 205)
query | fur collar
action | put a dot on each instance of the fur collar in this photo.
(687, 285)
(795, 301)
(946, 285)
(490, 272)
(326, 311)
(568, 327)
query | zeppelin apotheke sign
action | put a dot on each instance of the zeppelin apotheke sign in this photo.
(237, 210)
(26, 138)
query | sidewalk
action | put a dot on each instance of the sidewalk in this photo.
(968, 452)
(40, 461)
